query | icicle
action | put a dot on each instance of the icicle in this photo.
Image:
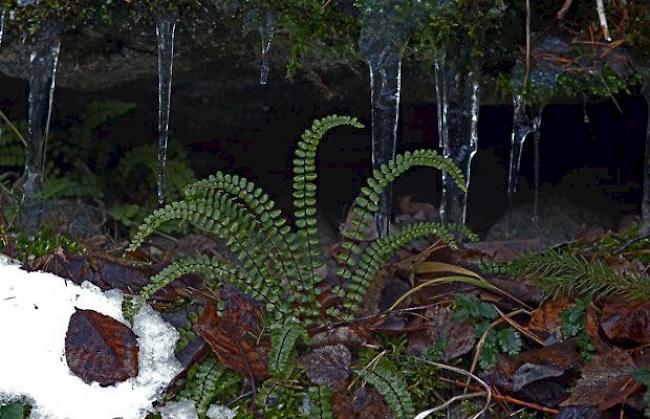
(382, 41)
(645, 204)
(537, 133)
(165, 27)
(44, 50)
(267, 30)
(457, 91)
(521, 127)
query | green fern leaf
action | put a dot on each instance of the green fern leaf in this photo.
(392, 387)
(283, 341)
(321, 406)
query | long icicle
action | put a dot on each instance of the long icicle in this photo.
(267, 31)
(44, 48)
(165, 28)
(537, 135)
(382, 41)
(457, 91)
(522, 126)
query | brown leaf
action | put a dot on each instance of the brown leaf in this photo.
(548, 318)
(99, 348)
(329, 365)
(441, 327)
(364, 403)
(606, 381)
(233, 334)
(627, 323)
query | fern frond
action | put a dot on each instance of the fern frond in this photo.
(283, 341)
(391, 386)
(273, 225)
(560, 273)
(206, 382)
(366, 205)
(321, 405)
(304, 187)
(231, 223)
(377, 253)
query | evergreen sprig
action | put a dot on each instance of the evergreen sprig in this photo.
(560, 273)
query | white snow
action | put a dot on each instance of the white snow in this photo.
(184, 409)
(216, 411)
(34, 312)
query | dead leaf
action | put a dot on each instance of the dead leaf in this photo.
(364, 403)
(506, 250)
(99, 348)
(548, 318)
(606, 381)
(329, 365)
(233, 334)
(440, 326)
(627, 323)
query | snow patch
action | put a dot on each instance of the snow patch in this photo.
(34, 312)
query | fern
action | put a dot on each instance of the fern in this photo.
(320, 406)
(377, 253)
(560, 273)
(207, 381)
(283, 341)
(391, 386)
(366, 205)
(277, 264)
(304, 186)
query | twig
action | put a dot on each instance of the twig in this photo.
(470, 376)
(564, 9)
(600, 8)
(507, 399)
(13, 128)
(527, 44)
(519, 328)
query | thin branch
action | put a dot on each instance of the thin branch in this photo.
(13, 128)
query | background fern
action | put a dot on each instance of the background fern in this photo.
(392, 387)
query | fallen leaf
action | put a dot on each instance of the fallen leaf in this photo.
(233, 334)
(506, 250)
(99, 348)
(364, 403)
(548, 318)
(627, 323)
(530, 373)
(329, 365)
(440, 326)
(606, 381)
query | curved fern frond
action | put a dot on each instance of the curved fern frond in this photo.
(366, 205)
(392, 387)
(321, 405)
(282, 343)
(304, 188)
(376, 254)
(218, 215)
(272, 223)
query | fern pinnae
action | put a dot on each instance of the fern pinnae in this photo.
(366, 204)
(218, 216)
(321, 405)
(304, 186)
(380, 251)
(393, 389)
(283, 342)
(264, 208)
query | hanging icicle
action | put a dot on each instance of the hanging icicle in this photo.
(267, 31)
(382, 41)
(537, 135)
(457, 91)
(2, 21)
(165, 28)
(522, 126)
(43, 47)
